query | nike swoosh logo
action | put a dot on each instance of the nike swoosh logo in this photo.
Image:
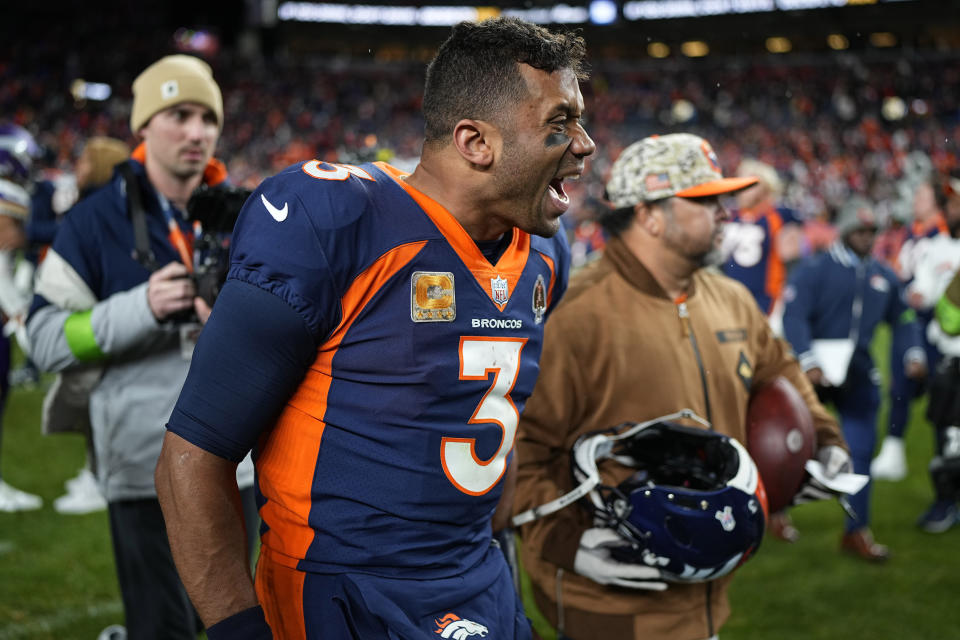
(277, 214)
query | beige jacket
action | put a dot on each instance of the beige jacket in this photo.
(615, 350)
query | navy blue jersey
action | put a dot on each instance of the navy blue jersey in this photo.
(754, 260)
(388, 456)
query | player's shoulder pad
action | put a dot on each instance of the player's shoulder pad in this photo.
(305, 233)
(309, 203)
(331, 195)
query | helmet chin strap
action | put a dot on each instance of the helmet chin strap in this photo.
(594, 448)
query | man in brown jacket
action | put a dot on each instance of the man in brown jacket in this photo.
(644, 332)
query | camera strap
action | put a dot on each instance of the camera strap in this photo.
(142, 252)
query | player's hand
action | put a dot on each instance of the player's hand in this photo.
(593, 560)
(170, 290)
(834, 460)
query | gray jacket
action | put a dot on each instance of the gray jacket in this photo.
(142, 367)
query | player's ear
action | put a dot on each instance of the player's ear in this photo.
(649, 217)
(475, 140)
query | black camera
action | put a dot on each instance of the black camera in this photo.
(216, 208)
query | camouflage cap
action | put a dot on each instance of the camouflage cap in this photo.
(677, 164)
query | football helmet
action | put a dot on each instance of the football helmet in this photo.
(17, 152)
(14, 200)
(695, 506)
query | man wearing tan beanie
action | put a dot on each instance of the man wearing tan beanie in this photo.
(113, 296)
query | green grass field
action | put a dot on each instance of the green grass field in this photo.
(57, 579)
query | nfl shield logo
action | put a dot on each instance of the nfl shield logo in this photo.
(498, 286)
(727, 521)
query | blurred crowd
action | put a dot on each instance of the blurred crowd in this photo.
(831, 125)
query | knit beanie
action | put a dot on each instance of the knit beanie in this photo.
(170, 81)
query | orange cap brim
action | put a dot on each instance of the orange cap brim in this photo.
(717, 187)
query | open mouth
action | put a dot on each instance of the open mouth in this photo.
(556, 186)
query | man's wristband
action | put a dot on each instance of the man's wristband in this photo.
(249, 624)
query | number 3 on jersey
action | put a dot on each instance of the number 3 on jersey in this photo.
(479, 357)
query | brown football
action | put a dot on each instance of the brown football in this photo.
(780, 438)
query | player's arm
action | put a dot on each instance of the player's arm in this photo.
(201, 506)
(250, 358)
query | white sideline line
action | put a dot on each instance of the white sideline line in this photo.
(59, 620)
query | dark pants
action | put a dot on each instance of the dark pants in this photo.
(857, 402)
(904, 390)
(155, 603)
(943, 411)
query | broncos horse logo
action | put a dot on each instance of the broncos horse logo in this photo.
(453, 626)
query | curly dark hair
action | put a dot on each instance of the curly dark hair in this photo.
(475, 72)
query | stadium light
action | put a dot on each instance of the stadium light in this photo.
(883, 39)
(603, 12)
(83, 90)
(433, 16)
(778, 44)
(893, 108)
(695, 48)
(682, 111)
(658, 50)
(837, 41)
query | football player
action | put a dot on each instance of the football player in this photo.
(374, 343)
(761, 237)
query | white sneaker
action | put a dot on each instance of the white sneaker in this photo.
(83, 496)
(84, 476)
(113, 632)
(891, 462)
(15, 500)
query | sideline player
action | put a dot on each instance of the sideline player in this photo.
(377, 337)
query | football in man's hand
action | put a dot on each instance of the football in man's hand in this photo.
(780, 439)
